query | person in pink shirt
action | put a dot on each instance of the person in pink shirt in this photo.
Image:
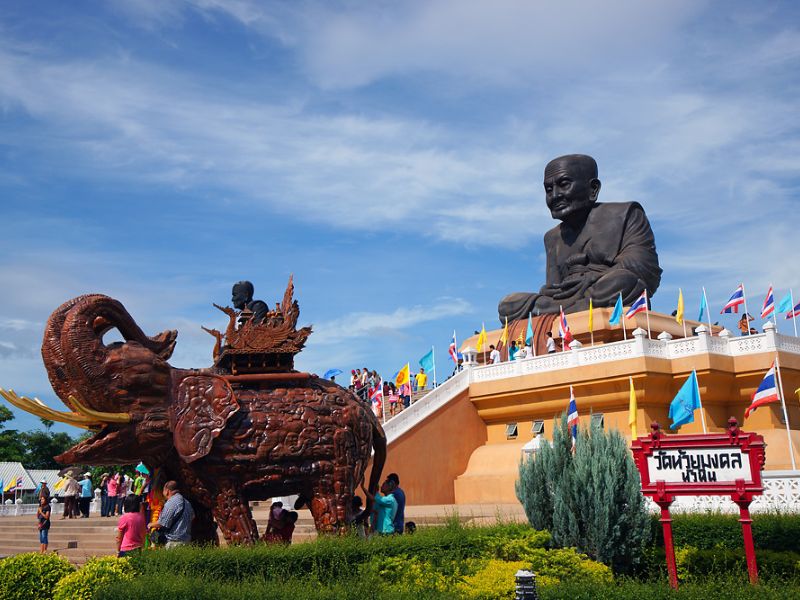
(112, 487)
(131, 528)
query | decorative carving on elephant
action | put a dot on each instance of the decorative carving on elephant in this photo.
(226, 436)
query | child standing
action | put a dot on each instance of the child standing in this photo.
(43, 514)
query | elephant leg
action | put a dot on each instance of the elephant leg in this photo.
(204, 530)
(233, 515)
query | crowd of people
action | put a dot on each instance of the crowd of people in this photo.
(386, 398)
(173, 526)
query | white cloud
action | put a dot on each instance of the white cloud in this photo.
(372, 325)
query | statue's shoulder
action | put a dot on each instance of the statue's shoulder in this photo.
(615, 209)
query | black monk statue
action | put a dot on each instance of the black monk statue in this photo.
(598, 251)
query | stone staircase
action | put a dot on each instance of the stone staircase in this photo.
(80, 539)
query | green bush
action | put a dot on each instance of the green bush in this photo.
(589, 499)
(719, 589)
(151, 587)
(95, 574)
(716, 530)
(701, 564)
(494, 580)
(32, 576)
(334, 558)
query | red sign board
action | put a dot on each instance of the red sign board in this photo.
(713, 464)
(710, 464)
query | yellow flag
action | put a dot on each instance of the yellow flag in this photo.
(481, 338)
(632, 411)
(402, 376)
(60, 484)
(591, 316)
(679, 313)
(504, 337)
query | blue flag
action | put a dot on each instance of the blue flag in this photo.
(616, 316)
(426, 362)
(331, 373)
(785, 305)
(687, 400)
(529, 332)
(703, 307)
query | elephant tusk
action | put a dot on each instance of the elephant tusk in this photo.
(38, 408)
(99, 416)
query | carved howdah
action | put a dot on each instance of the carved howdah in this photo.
(249, 428)
(257, 339)
(597, 252)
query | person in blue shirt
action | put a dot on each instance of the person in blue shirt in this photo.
(86, 495)
(400, 496)
(385, 508)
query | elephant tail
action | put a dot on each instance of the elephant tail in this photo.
(379, 459)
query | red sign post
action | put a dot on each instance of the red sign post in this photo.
(712, 464)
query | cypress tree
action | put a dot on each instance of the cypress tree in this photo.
(589, 499)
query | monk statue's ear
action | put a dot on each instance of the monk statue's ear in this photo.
(202, 407)
(594, 186)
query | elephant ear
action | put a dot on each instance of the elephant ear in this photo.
(203, 405)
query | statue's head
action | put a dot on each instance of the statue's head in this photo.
(242, 294)
(571, 186)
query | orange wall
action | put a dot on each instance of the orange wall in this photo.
(433, 454)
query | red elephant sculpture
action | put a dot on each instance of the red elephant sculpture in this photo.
(249, 428)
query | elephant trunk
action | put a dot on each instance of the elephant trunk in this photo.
(77, 360)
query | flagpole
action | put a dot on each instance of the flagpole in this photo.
(647, 313)
(483, 328)
(533, 342)
(683, 313)
(746, 312)
(433, 351)
(774, 310)
(383, 403)
(622, 319)
(794, 320)
(708, 311)
(702, 410)
(785, 414)
(455, 341)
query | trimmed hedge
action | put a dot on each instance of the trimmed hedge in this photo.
(716, 530)
(94, 575)
(150, 587)
(699, 564)
(341, 558)
(32, 576)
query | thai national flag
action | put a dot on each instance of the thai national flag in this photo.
(563, 331)
(572, 415)
(794, 312)
(638, 306)
(452, 349)
(767, 392)
(769, 304)
(736, 300)
(376, 396)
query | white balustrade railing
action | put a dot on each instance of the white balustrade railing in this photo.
(637, 346)
(781, 494)
(640, 346)
(426, 406)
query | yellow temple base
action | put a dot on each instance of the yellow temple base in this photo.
(462, 443)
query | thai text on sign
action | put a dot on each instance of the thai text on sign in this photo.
(699, 465)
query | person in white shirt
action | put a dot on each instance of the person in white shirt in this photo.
(521, 353)
(551, 343)
(494, 355)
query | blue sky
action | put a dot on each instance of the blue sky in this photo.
(388, 154)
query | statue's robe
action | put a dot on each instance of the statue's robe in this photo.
(614, 251)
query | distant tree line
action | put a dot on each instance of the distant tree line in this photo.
(34, 449)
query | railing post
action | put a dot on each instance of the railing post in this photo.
(772, 337)
(639, 340)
